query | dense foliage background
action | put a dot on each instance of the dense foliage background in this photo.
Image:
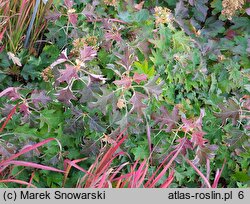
(110, 93)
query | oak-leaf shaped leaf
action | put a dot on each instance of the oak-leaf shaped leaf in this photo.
(68, 73)
(69, 3)
(166, 118)
(65, 95)
(125, 81)
(126, 59)
(193, 124)
(153, 88)
(39, 97)
(139, 77)
(87, 53)
(102, 102)
(11, 92)
(73, 18)
(230, 110)
(137, 103)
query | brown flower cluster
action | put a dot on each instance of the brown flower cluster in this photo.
(47, 74)
(110, 2)
(79, 43)
(162, 15)
(230, 7)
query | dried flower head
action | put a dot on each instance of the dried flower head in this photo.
(47, 74)
(79, 43)
(163, 15)
(91, 41)
(110, 2)
(230, 7)
(71, 11)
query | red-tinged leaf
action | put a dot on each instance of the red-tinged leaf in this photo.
(104, 100)
(193, 124)
(230, 34)
(110, 35)
(187, 145)
(139, 77)
(188, 125)
(136, 101)
(62, 58)
(5, 110)
(229, 110)
(17, 181)
(69, 3)
(12, 112)
(52, 15)
(68, 73)
(204, 152)
(65, 95)
(89, 12)
(197, 138)
(246, 101)
(199, 172)
(153, 88)
(166, 118)
(126, 59)
(39, 97)
(73, 18)
(33, 165)
(11, 92)
(139, 6)
(125, 81)
(87, 53)
(30, 148)
(93, 78)
(24, 109)
(218, 175)
(169, 180)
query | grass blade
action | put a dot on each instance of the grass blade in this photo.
(33, 165)
(33, 147)
(17, 181)
(199, 172)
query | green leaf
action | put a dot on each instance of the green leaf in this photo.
(52, 118)
(140, 152)
(141, 16)
(143, 67)
(241, 176)
(32, 68)
(217, 6)
(49, 54)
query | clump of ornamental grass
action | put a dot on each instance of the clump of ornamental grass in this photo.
(15, 17)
